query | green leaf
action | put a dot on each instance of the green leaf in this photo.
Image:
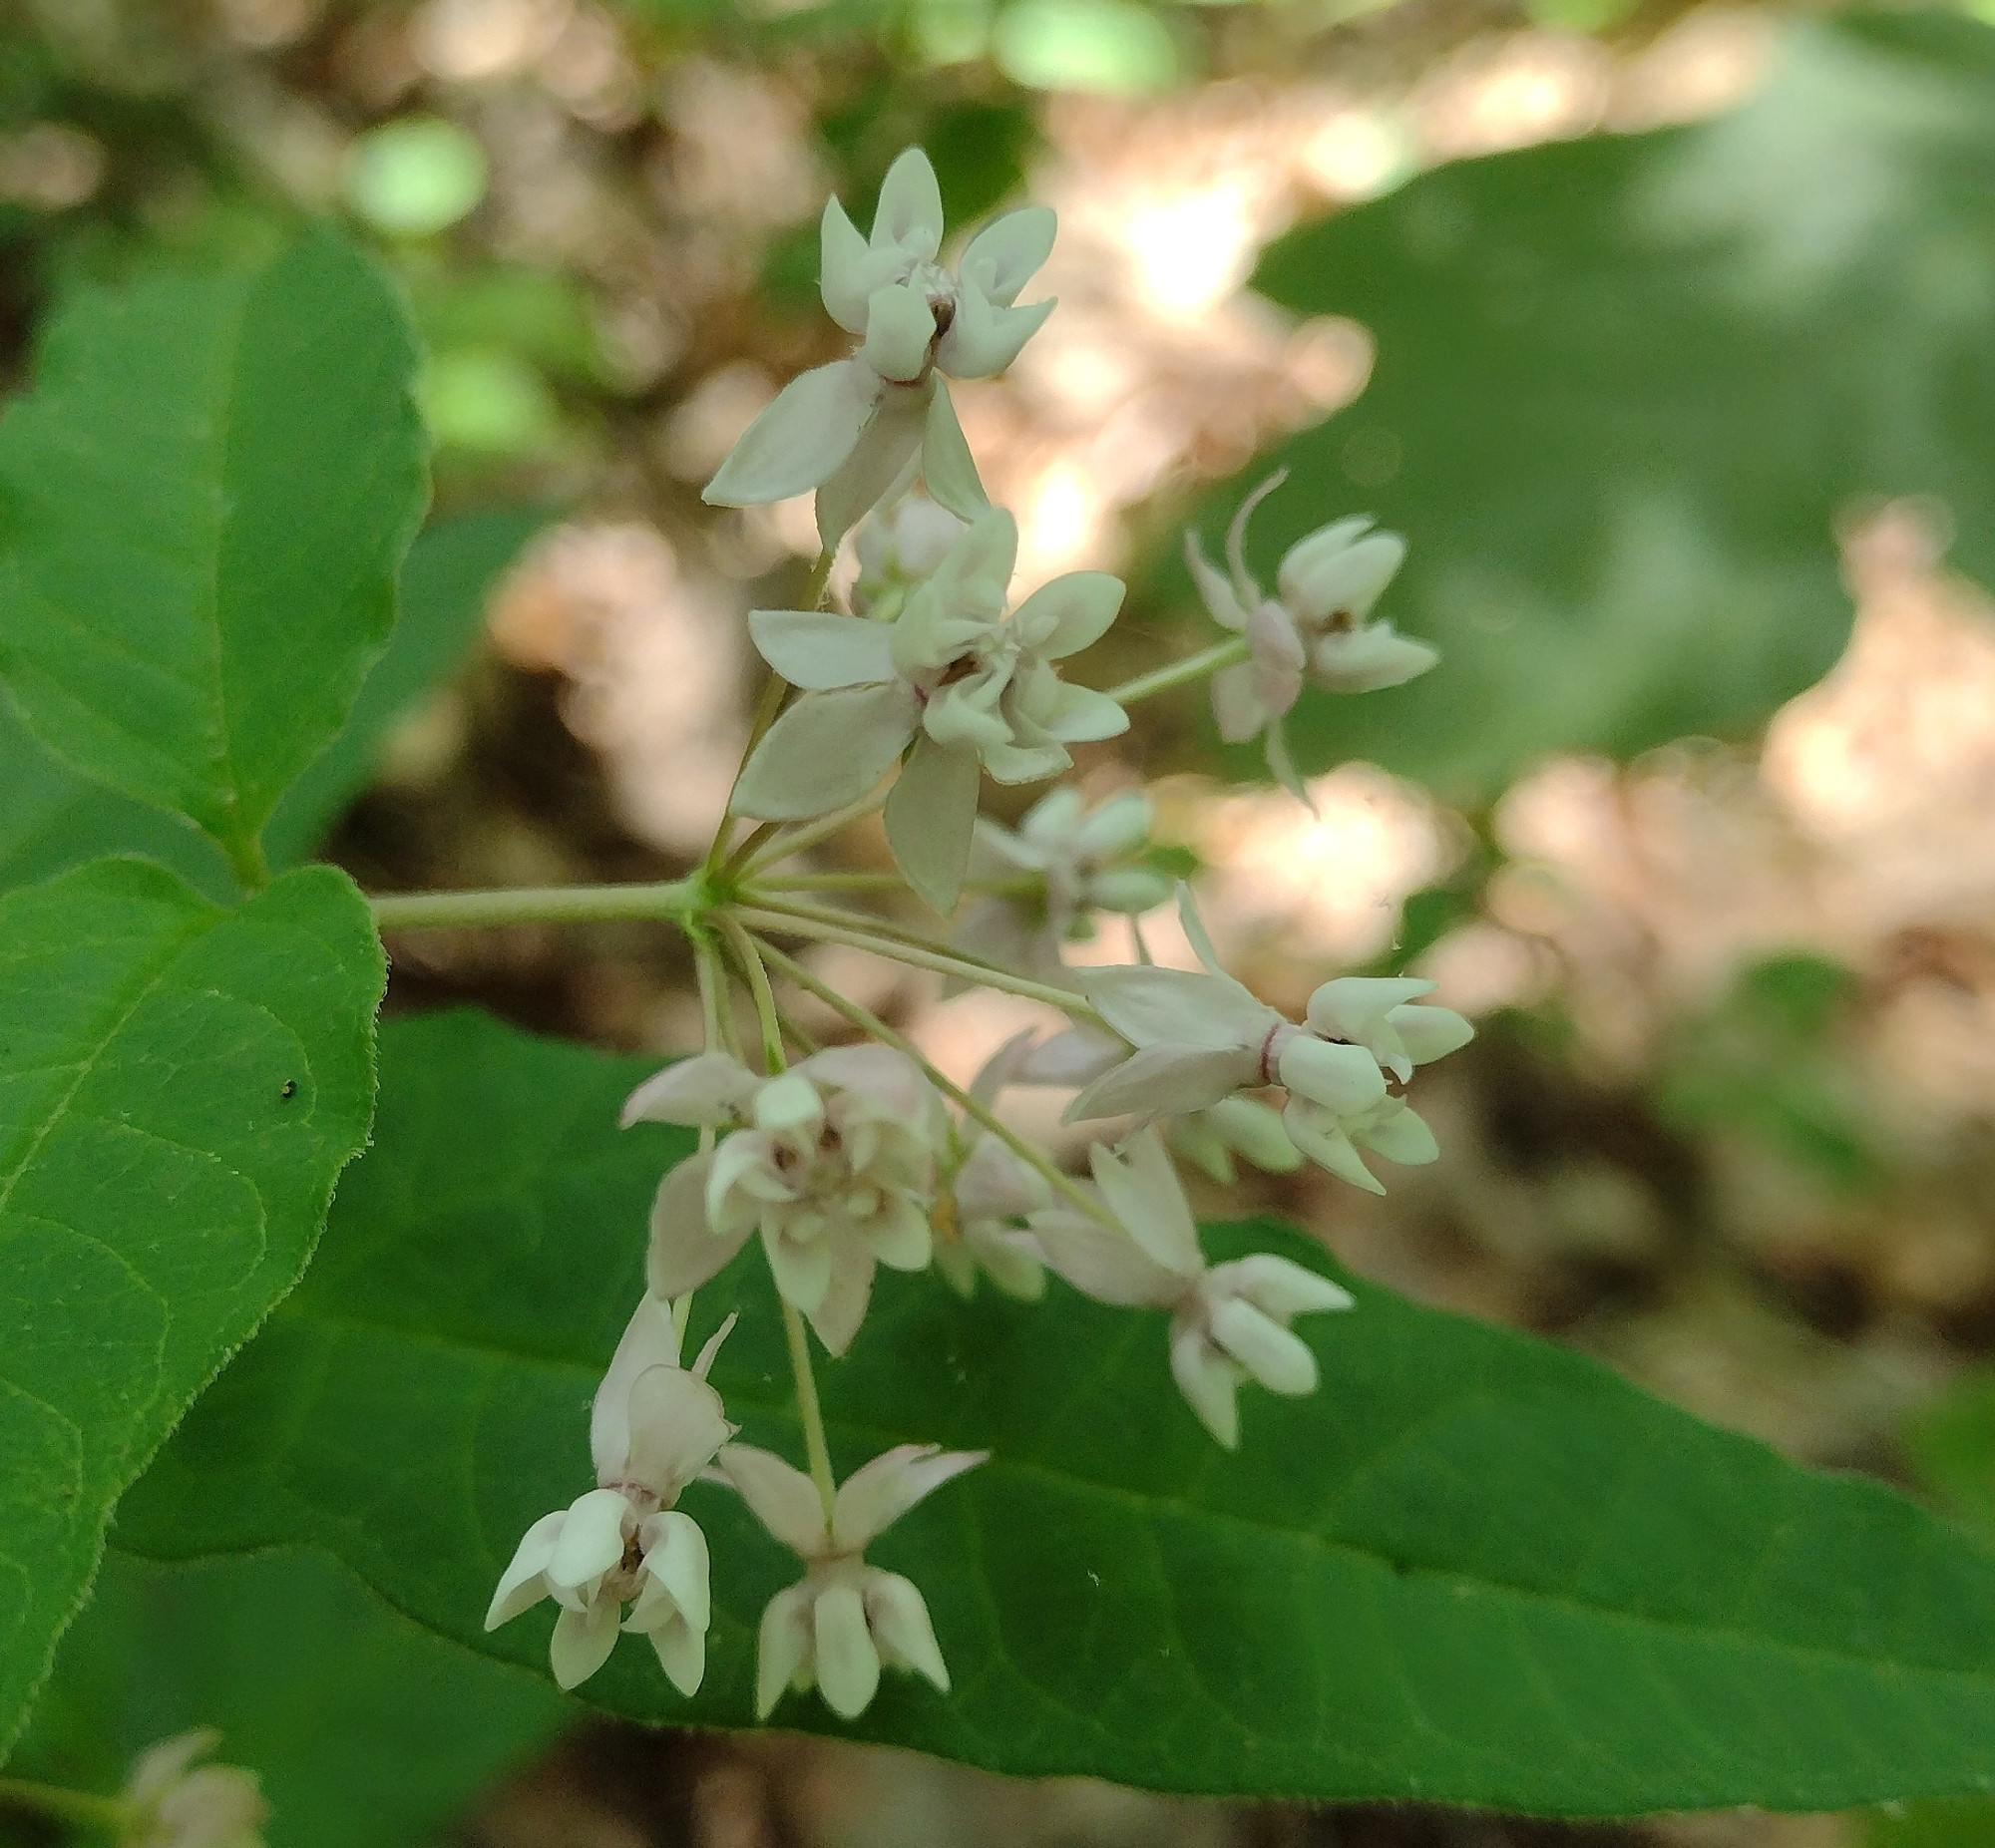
(1471, 1568)
(204, 502)
(1626, 386)
(366, 1730)
(442, 607)
(179, 1087)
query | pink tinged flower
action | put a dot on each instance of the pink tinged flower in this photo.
(845, 1619)
(1314, 629)
(854, 429)
(654, 1427)
(175, 1804)
(832, 1163)
(969, 688)
(1229, 1322)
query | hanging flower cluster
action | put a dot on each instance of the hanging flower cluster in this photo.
(837, 1161)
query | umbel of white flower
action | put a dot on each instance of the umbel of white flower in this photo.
(653, 1428)
(985, 1190)
(854, 428)
(1199, 1038)
(832, 1162)
(1062, 861)
(175, 1803)
(1229, 1321)
(969, 688)
(845, 1619)
(1315, 629)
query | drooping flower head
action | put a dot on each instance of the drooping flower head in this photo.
(175, 1804)
(1062, 861)
(844, 1620)
(832, 1162)
(1314, 629)
(853, 428)
(1229, 1321)
(1203, 1037)
(654, 1426)
(971, 688)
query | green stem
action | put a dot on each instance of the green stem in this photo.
(808, 1411)
(450, 911)
(811, 832)
(832, 882)
(765, 997)
(1192, 667)
(247, 862)
(81, 1808)
(972, 1106)
(789, 923)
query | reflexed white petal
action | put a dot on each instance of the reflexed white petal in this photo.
(1429, 1033)
(520, 1586)
(1276, 659)
(899, 326)
(948, 469)
(1008, 252)
(781, 1497)
(1254, 1129)
(591, 1540)
(953, 1257)
(684, 1250)
(1369, 660)
(836, 1319)
(819, 651)
(827, 750)
(879, 464)
(707, 1091)
(703, 1361)
(848, 271)
(900, 1238)
(650, 1339)
(1214, 592)
(1074, 1056)
(1001, 1068)
(1314, 1131)
(1401, 1136)
(1011, 1258)
(802, 1269)
(985, 337)
(1278, 1359)
(1210, 1384)
(1236, 706)
(678, 1422)
(1195, 931)
(897, 1615)
(1144, 1191)
(1165, 1081)
(880, 1492)
(930, 815)
(1280, 1286)
(681, 1653)
(1147, 1006)
(909, 215)
(993, 1182)
(848, 1664)
(878, 1073)
(1335, 572)
(1193, 1137)
(1080, 715)
(1343, 1080)
(1070, 614)
(782, 1646)
(1309, 556)
(1104, 1261)
(678, 1558)
(800, 439)
(1245, 590)
(1282, 765)
(581, 1643)
(1119, 826)
(788, 1102)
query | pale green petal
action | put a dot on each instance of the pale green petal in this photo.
(930, 817)
(899, 326)
(909, 215)
(879, 464)
(820, 650)
(1008, 252)
(947, 467)
(827, 750)
(801, 439)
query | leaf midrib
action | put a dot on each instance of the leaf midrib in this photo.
(1148, 1505)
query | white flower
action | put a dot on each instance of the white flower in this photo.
(845, 1619)
(1199, 1038)
(1244, 1126)
(832, 1162)
(987, 1190)
(653, 1428)
(1229, 1321)
(853, 428)
(175, 1803)
(1315, 629)
(953, 676)
(899, 546)
(1062, 861)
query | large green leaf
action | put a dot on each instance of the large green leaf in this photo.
(204, 503)
(1626, 385)
(367, 1731)
(179, 1087)
(1471, 1568)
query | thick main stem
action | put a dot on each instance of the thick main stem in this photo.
(452, 910)
(1179, 673)
(808, 1412)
